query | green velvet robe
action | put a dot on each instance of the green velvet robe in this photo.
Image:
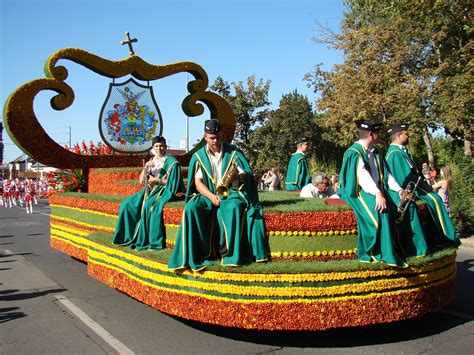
(297, 174)
(412, 233)
(377, 236)
(440, 224)
(140, 223)
(234, 231)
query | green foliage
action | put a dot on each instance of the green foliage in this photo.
(275, 141)
(249, 106)
(403, 60)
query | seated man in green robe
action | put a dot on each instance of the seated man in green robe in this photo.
(297, 174)
(403, 168)
(216, 226)
(140, 222)
(363, 183)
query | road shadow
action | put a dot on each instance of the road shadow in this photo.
(6, 243)
(6, 236)
(418, 328)
(465, 286)
(7, 314)
(12, 295)
(10, 255)
(7, 261)
(34, 234)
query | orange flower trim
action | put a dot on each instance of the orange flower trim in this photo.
(281, 315)
(310, 223)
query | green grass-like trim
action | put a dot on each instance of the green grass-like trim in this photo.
(115, 170)
(277, 267)
(277, 243)
(301, 244)
(127, 182)
(272, 201)
(111, 198)
(84, 217)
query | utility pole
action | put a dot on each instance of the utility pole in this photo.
(187, 118)
(70, 137)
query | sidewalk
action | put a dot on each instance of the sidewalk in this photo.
(467, 242)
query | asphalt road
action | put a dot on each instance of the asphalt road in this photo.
(49, 305)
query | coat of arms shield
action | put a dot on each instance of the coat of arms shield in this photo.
(130, 117)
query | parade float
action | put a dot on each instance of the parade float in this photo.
(313, 281)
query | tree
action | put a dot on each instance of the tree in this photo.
(249, 105)
(390, 71)
(451, 24)
(274, 142)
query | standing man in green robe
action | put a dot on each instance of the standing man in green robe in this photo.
(215, 226)
(403, 168)
(401, 165)
(140, 223)
(364, 180)
(297, 174)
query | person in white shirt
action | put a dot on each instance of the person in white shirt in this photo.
(319, 187)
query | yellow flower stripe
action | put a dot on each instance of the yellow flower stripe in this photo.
(244, 277)
(286, 254)
(283, 301)
(86, 211)
(87, 225)
(311, 233)
(288, 291)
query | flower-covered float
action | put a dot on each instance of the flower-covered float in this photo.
(314, 281)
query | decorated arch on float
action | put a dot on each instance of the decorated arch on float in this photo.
(23, 127)
(313, 282)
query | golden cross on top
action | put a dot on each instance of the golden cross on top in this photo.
(129, 42)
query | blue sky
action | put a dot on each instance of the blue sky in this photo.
(234, 39)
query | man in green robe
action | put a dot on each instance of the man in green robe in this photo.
(364, 180)
(403, 168)
(400, 164)
(297, 174)
(213, 225)
(140, 222)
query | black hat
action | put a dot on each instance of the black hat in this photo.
(158, 139)
(368, 125)
(212, 126)
(397, 128)
(301, 140)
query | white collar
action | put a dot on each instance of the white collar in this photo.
(365, 147)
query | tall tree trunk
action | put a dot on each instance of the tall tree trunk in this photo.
(468, 143)
(429, 146)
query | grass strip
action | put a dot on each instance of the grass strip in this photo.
(272, 201)
(277, 267)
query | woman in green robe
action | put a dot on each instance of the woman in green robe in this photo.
(297, 174)
(140, 223)
(213, 226)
